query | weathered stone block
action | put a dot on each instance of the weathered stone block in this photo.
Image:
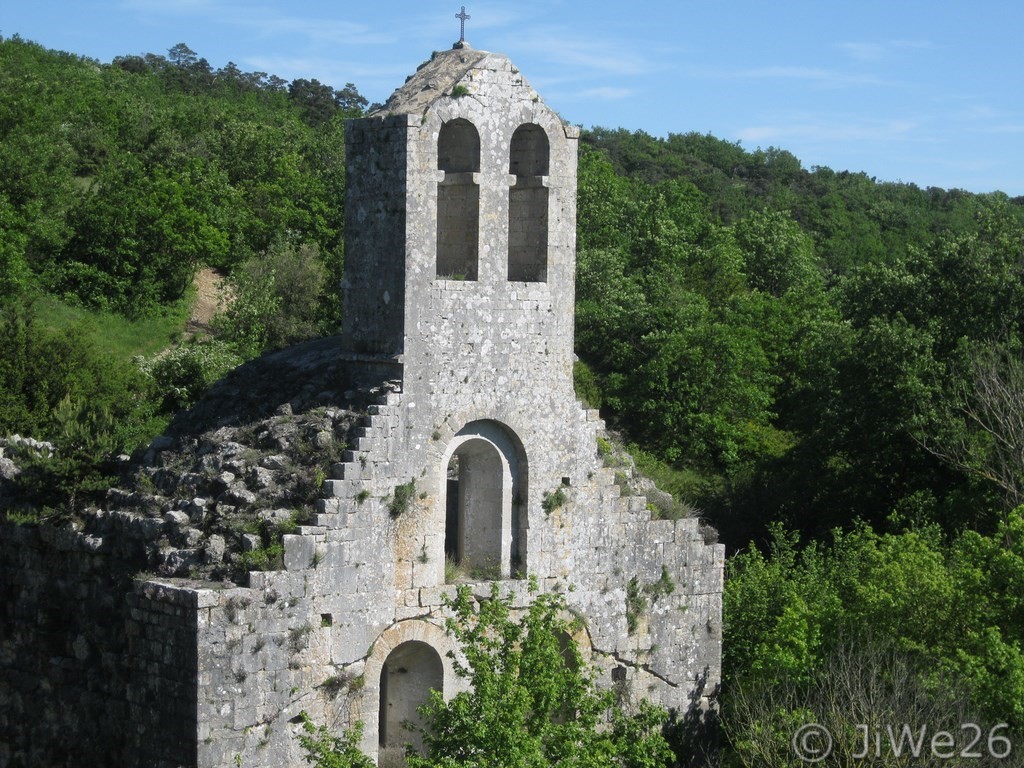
(299, 552)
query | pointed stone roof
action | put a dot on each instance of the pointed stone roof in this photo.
(436, 78)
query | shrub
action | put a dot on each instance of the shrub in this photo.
(55, 385)
(553, 500)
(858, 686)
(326, 751)
(588, 390)
(952, 607)
(277, 299)
(532, 701)
(40, 366)
(81, 468)
(402, 498)
(182, 375)
(269, 558)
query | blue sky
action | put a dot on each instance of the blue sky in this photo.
(905, 90)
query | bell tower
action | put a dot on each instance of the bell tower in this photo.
(460, 230)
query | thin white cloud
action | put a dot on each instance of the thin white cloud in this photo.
(329, 70)
(606, 93)
(984, 118)
(914, 44)
(154, 5)
(322, 31)
(1005, 128)
(877, 51)
(584, 54)
(265, 21)
(864, 51)
(172, 6)
(981, 112)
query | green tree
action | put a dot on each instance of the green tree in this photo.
(701, 392)
(316, 100)
(533, 701)
(779, 256)
(14, 272)
(57, 386)
(181, 55)
(40, 367)
(783, 722)
(139, 235)
(180, 376)
(349, 101)
(980, 428)
(324, 750)
(951, 609)
(275, 300)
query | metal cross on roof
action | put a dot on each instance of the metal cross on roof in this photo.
(462, 16)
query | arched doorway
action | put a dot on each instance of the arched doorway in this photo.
(484, 487)
(408, 675)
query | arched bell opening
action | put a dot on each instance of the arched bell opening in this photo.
(529, 157)
(458, 201)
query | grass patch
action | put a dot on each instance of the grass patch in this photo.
(115, 334)
(27, 516)
(663, 587)
(586, 384)
(265, 558)
(685, 485)
(399, 503)
(462, 572)
(485, 572)
(454, 571)
(636, 604)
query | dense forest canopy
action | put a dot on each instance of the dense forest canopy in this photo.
(802, 343)
(120, 179)
(804, 348)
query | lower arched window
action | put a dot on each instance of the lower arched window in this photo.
(409, 673)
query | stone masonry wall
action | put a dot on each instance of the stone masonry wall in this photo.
(91, 670)
(174, 672)
(374, 285)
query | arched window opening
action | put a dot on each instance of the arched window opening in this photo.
(458, 147)
(485, 482)
(458, 201)
(408, 675)
(569, 651)
(529, 152)
(529, 156)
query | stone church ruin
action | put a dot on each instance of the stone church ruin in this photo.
(191, 620)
